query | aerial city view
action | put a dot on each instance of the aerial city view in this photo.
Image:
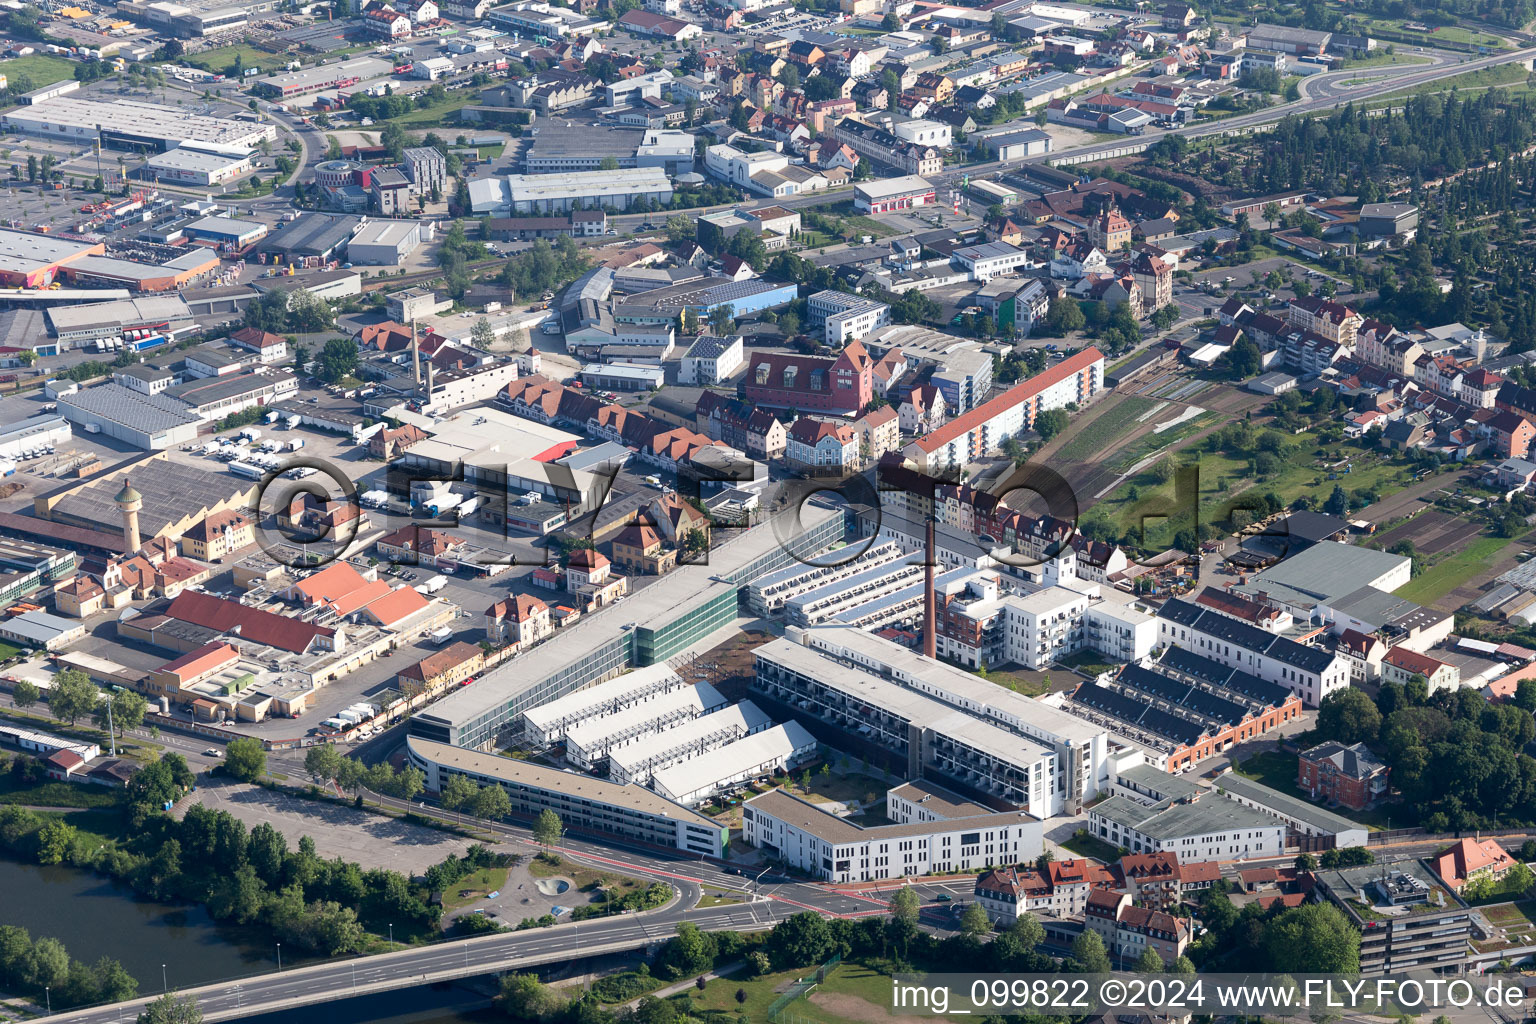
(767, 511)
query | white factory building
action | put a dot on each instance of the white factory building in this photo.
(593, 740)
(388, 243)
(547, 724)
(637, 762)
(776, 749)
(190, 166)
(128, 124)
(561, 193)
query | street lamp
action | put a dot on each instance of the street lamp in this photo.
(48, 995)
(164, 986)
(391, 933)
(279, 956)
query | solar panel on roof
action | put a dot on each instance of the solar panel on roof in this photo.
(1138, 713)
(1244, 684)
(1185, 695)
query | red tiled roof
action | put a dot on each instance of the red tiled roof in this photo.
(253, 624)
(398, 604)
(200, 662)
(1021, 392)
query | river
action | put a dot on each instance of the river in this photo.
(95, 917)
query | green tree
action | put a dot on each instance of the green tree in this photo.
(410, 782)
(492, 803)
(1312, 938)
(128, 710)
(171, 1009)
(322, 762)
(25, 693)
(1149, 962)
(457, 793)
(974, 920)
(689, 952)
(244, 759)
(1050, 423)
(1305, 862)
(1088, 950)
(800, 940)
(337, 359)
(1348, 716)
(1028, 930)
(72, 696)
(524, 997)
(349, 774)
(548, 828)
(1183, 965)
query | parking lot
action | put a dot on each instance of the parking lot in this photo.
(371, 840)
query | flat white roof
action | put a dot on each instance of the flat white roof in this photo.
(384, 232)
(594, 731)
(715, 767)
(617, 689)
(953, 685)
(746, 716)
(893, 186)
(181, 159)
(134, 118)
(535, 187)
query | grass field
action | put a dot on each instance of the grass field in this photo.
(1503, 74)
(1385, 60)
(1092, 846)
(1445, 576)
(1146, 445)
(854, 986)
(1222, 477)
(220, 59)
(581, 876)
(474, 886)
(7, 652)
(1102, 432)
(41, 68)
(1444, 33)
(55, 794)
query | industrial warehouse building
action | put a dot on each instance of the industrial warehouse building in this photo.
(585, 805)
(127, 124)
(197, 167)
(688, 609)
(150, 422)
(387, 243)
(561, 193)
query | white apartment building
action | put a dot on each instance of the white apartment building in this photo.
(768, 594)
(1206, 828)
(991, 259)
(970, 436)
(1081, 749)
(595, 739)
(925, 133)
(547, 723)
(1309, 672)
(843, 317)
(834, 849)
(737, 166)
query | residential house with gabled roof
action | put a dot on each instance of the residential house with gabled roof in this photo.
(820, 448)
(1473, 858)
(520, 619)
(1349, 775)
(840, 386)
